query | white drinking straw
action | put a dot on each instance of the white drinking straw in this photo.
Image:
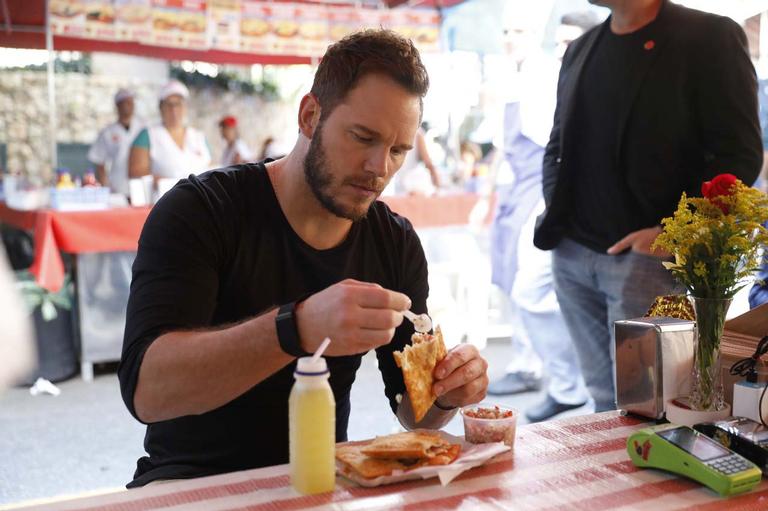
(320, 350)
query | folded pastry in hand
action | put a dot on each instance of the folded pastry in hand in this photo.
(418, 362)
(402, 451)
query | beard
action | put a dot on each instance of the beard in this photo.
(319, 177)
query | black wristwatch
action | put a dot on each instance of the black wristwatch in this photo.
(288, 331)
(445, 409)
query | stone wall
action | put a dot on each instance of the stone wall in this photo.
(84, 105)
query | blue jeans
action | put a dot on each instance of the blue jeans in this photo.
(534, 294)
(596, 289)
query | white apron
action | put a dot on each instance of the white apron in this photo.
(169, 160)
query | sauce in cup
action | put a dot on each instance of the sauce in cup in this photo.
(484, 424)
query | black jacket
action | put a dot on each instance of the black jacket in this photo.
(691, 115)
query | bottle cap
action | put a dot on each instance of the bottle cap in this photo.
(306, 367)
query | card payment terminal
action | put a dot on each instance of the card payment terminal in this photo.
(687, 452)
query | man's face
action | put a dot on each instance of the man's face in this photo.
(173, 109)
(356, 150)
(228, 133)
(125, 108)
(518, 41)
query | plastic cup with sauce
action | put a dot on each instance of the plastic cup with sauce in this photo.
(489, 423)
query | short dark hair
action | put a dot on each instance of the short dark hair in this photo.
(366, 52)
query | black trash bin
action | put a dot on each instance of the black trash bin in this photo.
(18, 246)
(52, 317)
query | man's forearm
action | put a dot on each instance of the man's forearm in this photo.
(193, 372)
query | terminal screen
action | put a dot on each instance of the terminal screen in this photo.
(694, 443)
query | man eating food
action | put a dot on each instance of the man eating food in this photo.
(241, 270)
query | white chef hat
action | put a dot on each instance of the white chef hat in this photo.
(123, 94)
(172, 88)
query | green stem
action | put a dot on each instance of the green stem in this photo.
(707, 386)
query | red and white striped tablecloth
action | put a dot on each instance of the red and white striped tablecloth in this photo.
(571, 464)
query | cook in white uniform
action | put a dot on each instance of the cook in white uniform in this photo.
(109, 153)
(171, 149)
(236, 151)
(418, 174)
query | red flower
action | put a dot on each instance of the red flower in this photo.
(722, 184)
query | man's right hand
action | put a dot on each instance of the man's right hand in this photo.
(357, 316)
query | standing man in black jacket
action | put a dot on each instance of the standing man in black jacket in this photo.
(651, 103)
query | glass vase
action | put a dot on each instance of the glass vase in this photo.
(707, 385)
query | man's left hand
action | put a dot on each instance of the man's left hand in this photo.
(640, 242)
(461, 377)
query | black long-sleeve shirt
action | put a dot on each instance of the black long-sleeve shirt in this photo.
(217, 249)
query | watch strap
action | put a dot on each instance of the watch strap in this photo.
(444, 408)
(288, 332)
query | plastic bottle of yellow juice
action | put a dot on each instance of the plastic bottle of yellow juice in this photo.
(312, 424)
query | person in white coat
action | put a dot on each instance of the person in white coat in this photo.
(236, 151)
(521, 269)
(170, 149)
(109, 153)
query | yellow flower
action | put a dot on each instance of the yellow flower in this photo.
(715, 246)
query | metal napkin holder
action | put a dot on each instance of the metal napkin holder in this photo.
(653, 362)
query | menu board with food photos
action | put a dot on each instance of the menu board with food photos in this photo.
(224, 20)
(99, 19)
(67, 17)
(133, 20)
(426, 25)
(285, 28)
(419, 26)
(313, 35)
(181, 23)
(371, 18)
(343, 21)
(255, 27)
(248, 26)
